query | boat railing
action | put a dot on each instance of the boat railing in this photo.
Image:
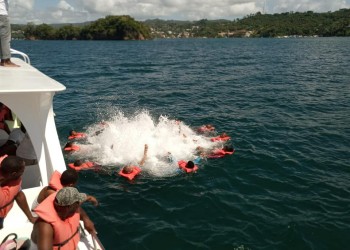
(23, 55)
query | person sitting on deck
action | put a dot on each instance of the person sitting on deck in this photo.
(11, 171)
(26, 151)
(14, 140)
(130, 171)
(5, 114)
(58, 224)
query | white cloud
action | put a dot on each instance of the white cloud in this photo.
(60, 11)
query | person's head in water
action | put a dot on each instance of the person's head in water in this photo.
(68, 145)
(78, 163)
(72, 132)
(69, 178)
(228, 149)
(128, 169)
(190, 164)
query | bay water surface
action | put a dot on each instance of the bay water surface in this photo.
(284, 102)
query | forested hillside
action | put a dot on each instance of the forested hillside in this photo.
(256, 25)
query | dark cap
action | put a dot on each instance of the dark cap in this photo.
(68, 196)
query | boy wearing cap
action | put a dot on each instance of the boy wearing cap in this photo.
(58, 222)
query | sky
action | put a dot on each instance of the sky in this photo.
(76, 11)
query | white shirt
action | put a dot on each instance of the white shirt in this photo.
(25, 149)
(16, 135)
(4, 7)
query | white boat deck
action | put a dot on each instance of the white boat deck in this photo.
(29, 94)
(26, 79)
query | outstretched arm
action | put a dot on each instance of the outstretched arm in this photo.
(142, 162)
(23, 204)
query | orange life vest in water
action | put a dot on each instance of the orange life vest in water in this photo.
(218, 138)
(219, 153)
(77, 136)
(130, 176)
(85, 165)
(182, 165)
(72, 148)
(66, 232)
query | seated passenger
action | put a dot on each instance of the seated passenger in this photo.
(26, 151)
(5, 114)
(15, 138)
(129, 171)
(58, 224)
(11, 171)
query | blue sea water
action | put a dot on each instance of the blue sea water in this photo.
(284, 102)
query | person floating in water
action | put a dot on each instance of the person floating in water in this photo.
(81, 165)
(222, 137)
(206, 128)
(76, 135)
(70, 147)
(188, 167)
(130, 171)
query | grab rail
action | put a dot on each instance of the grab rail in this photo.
(24, 56)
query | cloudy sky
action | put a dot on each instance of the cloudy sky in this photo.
(73, 11)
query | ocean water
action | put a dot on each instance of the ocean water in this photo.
(284, 102)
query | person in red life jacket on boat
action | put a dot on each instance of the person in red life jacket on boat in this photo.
(71, 147)
(11, 171)
(5, 114)
(130, 171)
(76, 135)
(222, 137)
(58, 224)
(188, 167)
(80, 165)
(69, 178)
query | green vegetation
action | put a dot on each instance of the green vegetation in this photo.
(256, 25)
(108, 28)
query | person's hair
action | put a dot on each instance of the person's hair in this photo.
(190, 164)
(69, 176)
(78, 163)
(11, 164)
(228, 149)
(71, 132)
(69, 144)
(127, 169)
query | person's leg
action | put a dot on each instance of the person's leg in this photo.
(5, 37)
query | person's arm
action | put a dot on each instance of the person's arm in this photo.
(88, 224)
(23, 205)
(142, 162)
(42, 235)
(92, 199)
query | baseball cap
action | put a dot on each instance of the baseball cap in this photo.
(68, 196)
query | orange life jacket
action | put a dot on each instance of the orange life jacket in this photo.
(77, 136)
(55, 181)
(85, 165)
(10, 190)
(182, 165)
(219, 153)
(218, 138)
(130, 176)
(72, 148)
(66, 233)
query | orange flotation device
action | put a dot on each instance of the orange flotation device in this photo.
(219, 138)
(72, 148)
(83, 166)
(77, 136)
(130, 176)
(182, 165)
(219, 153)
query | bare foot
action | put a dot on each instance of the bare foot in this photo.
(8, 63)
